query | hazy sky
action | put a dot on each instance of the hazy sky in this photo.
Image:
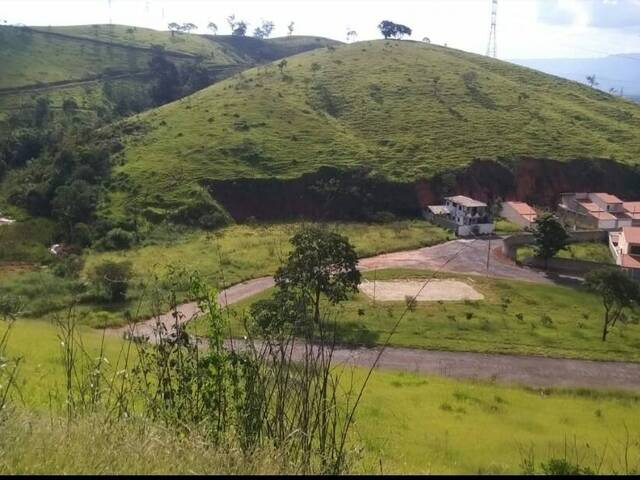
(526, 28)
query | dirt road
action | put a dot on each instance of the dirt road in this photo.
(532, 371)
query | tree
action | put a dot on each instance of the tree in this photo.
(393, 30)
(41, 111)
(167, 79)
(321, 263)
(231, 21)
(265, 30)
(591, 80)
(290, 28)
(282, 65)
(240, 29)
(618, 292)
(74, 203)
(550, 236)
(426, 40)
(351, 35)
(113, 278)
(173, 28)
(187, 27)
(213, 27)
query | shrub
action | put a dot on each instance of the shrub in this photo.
(411, 302)
(69, 266)
(118, 239)
(546, 320)
(112, 278)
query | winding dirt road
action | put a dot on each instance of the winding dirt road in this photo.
(469, 257)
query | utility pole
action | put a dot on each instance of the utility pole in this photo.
(491, 47)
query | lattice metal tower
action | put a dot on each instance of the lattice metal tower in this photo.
(491, 47)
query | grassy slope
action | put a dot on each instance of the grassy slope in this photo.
(407, 422)
(373, 103)
(229, 256)
(491, 328)
(590, 251)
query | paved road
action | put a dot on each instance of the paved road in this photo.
(471, 258)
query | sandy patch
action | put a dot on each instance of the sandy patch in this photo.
(397, 290)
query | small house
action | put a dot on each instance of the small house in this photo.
(519, 213)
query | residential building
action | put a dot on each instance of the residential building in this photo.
(519, 213)
(464, 215)
(625, 246)
(599, 210)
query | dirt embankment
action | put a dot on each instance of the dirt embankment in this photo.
(533, 180)
(333, 194)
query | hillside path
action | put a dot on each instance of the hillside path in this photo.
(533, 371)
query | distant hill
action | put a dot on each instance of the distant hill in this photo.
(405, 110)
(619, 72)
(76, 62)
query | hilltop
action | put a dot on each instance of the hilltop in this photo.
(404, 110)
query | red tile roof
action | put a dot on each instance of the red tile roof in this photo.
(631, 234)
(522, 208)
(630, 261)
(607, 197)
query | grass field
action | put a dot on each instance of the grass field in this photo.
(225, 257)
(590, 251)
(362, 104)
(406, 423)
(515, 317)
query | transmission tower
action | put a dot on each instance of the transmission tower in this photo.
(491, 47)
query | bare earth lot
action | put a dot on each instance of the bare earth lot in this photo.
(397, 290)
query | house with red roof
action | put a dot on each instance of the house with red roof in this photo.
(601, 210)
(519, 213)
(625, 246)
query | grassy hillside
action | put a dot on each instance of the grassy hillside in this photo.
(57, 61)
(406, 109)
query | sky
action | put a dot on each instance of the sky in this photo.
(525, 28)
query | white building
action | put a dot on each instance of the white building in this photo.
(464, 215)
(625, 246)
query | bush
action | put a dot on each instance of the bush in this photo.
(411, 302)
(81, 235)
(112, 278)
(116, 239)
(69, 266)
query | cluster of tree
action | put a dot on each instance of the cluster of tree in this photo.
(238, 28)
(181, 27)
(390, 29)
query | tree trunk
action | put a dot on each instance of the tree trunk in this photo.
(606, 325)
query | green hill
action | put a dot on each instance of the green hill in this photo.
(76, 62)
(406, 110)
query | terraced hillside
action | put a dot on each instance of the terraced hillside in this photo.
(76, 62)
(405, 110)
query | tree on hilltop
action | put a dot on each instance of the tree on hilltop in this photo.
(390, 29)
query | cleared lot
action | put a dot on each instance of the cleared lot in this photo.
(397, 290)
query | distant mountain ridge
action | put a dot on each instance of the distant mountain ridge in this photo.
(620, 72)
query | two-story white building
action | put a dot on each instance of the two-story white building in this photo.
(464, 215)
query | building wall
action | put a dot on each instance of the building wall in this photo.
(513, 216)
(483, 229)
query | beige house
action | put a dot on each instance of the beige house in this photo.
(519, 213)
(625, 246)
(600, 210)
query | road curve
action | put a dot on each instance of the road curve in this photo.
(529, 370)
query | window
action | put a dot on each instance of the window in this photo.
(634, 249)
